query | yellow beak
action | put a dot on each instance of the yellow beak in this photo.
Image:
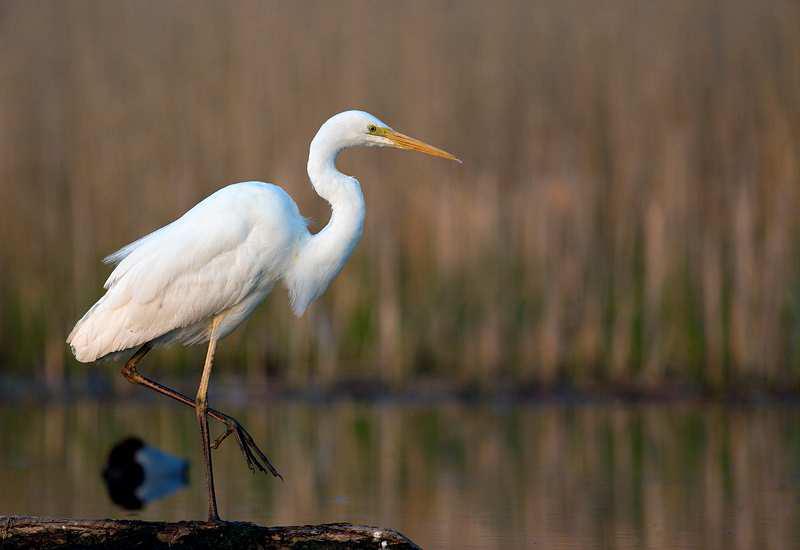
(402, 141)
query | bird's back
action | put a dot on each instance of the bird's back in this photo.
(222, 255)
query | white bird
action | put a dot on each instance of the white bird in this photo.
(198, 278)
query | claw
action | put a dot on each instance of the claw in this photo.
(218, 441)
(255, 457)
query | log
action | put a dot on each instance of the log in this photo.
(17, 532)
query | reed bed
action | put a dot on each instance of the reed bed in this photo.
(626, 213)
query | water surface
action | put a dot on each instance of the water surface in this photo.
(447, 475)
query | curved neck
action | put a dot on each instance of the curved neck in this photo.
(323, 255)
(342, 192)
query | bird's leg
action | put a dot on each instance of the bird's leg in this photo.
(201, 409)
(255, 457)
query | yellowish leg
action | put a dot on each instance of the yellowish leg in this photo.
(255, 457)
(201, 409)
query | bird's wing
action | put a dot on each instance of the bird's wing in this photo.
(205, 262)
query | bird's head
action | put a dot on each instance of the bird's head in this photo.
(357, 128)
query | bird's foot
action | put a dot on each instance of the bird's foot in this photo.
(255, 457)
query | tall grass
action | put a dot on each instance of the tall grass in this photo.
(627, 211)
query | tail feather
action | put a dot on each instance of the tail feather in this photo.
(101, 334)
(106, 332)
(87, 340)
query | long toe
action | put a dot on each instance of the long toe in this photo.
(256, 459)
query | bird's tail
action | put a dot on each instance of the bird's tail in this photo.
(92, 339)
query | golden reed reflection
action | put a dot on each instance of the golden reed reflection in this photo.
(599, 476)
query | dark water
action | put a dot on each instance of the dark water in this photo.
(448, 476)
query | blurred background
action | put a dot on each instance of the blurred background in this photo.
(625, 222)
(626, 211)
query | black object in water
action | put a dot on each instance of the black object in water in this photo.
(136, 474)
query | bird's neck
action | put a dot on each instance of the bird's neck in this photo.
(346, 224)
(323, 255)
(342, 192)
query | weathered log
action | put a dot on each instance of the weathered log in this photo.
(17, 532)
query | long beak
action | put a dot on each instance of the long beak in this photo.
(402, 141)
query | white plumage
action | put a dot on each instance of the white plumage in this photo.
(222, 257)
(198, 278)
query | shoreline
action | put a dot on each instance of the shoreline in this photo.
(232, 390)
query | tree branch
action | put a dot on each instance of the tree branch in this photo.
(17, 532)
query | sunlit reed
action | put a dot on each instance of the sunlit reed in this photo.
(627, 211)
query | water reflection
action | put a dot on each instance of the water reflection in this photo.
(448, 476)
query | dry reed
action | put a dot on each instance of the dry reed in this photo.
(626, 213)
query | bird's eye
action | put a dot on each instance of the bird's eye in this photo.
(372, 128)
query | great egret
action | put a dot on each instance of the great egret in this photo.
(198, 278)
